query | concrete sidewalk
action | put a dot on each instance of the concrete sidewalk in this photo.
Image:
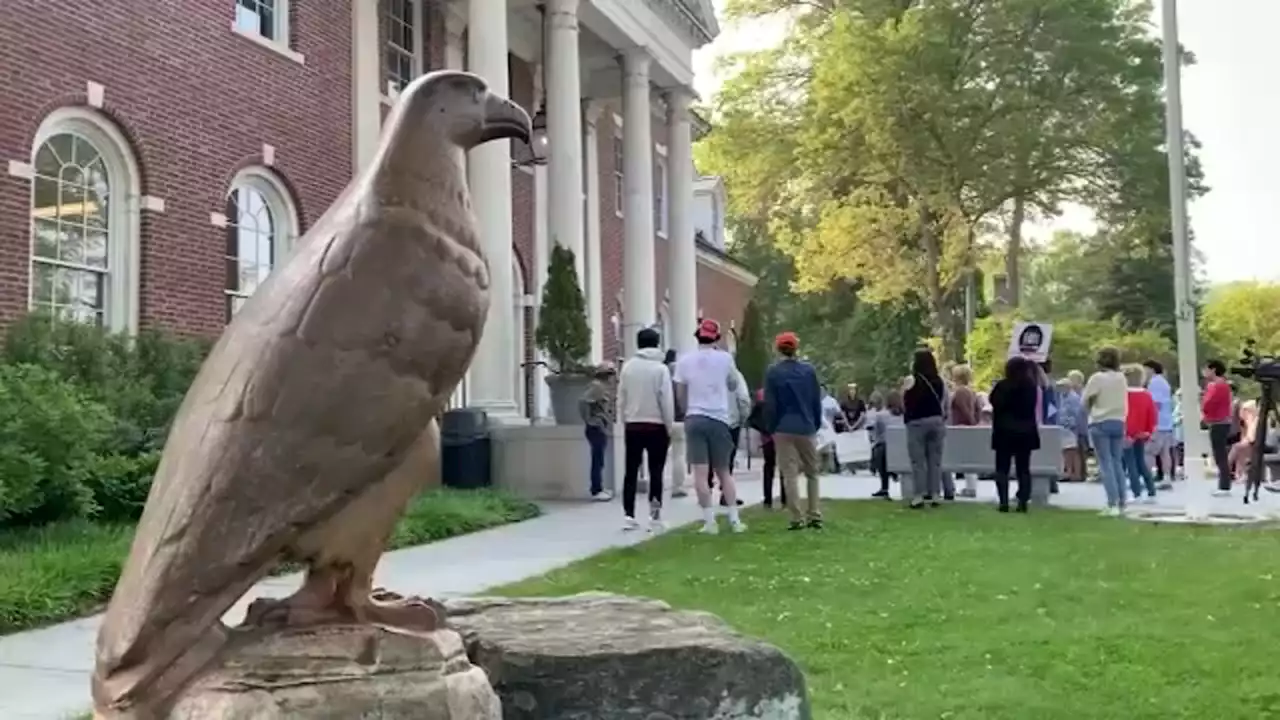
(44, 674)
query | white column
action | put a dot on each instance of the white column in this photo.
(366, 78)
(682, 256)
(564, 128)
(639, 299)
(455, 52)
(541, 229)
(592, 243)
(493, 386)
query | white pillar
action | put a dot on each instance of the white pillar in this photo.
(682, 256)
(366, 79)
(592, 244)
(564, 128)
(493, 386)
(639, 298)
(541, 229)
(455, 51)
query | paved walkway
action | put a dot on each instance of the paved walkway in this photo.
(45, 673)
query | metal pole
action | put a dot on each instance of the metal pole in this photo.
(1188, 367)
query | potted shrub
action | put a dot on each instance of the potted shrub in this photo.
(564, 336)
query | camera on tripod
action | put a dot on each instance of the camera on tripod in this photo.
(1264, 368)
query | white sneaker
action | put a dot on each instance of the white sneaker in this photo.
(1222, 493)
(602, 496)
(630, 524)
(738, 527)
(1148, 500)
(710, 528)
(1111, 512)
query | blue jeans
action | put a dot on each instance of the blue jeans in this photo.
(1135, 460)
(1107, 438)
(598, 439)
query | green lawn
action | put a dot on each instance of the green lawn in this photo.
(963, 613)
(66, 570)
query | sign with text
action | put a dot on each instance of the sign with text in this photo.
(1031, 340)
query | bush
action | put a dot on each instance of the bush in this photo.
(52, 435)
(563, 333)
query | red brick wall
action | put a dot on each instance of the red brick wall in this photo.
(722, 296)
(611, 233)
(197, 102)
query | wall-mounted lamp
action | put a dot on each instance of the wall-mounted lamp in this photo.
(538, 139)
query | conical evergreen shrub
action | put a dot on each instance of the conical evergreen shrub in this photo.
(563, 333)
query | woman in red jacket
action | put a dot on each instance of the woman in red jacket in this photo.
(1139, 425)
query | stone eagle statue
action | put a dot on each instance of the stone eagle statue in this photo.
(312, 424)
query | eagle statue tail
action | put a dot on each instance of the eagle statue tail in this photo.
(139, 672)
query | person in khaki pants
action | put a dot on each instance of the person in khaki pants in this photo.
(793, 414)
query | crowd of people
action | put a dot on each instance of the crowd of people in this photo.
(1125, 417)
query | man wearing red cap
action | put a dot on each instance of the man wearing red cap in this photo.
(793, 414)
(706, 387)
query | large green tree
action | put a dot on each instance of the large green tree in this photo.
(877, 138)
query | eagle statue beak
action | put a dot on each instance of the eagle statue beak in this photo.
(505, 119)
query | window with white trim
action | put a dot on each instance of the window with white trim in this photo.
(619, 180)
(84, 221)
(268, 19)
(70, 230)
(261, 226)
(401, 44)
(660, 195)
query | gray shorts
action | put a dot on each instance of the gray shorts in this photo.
(707, 442)
(1161, 441)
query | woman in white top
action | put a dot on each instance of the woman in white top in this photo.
(1106, 397)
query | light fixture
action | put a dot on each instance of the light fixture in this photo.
(537, 154)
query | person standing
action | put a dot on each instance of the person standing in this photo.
(1069, 418)
(965, 411)
(768, 451)
(925, 401)
(1139, 427)
(597, 412)
(1217, 409)
(737, 418)
(1160, 447)
(647, 403)
(1106, 396)
(879, 422)
(793, 414)
(1015, 428)
(706, 385)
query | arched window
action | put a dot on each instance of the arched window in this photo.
(518, 345)
(84, 221)
(261, 227)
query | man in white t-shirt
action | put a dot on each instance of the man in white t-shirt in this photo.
(707, 386)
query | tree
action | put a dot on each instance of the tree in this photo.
(563, 333)
(882, 133)
(753, 347)
(1240, 311)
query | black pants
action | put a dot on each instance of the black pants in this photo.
(770, 452)
(643, 439)
(1220, 443)
(880, 465)
(735, 433)
(1021, 461)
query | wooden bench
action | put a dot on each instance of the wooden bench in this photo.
(968, 450)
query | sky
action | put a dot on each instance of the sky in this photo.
(1231, 102)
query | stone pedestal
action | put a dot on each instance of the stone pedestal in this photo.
(608, 657)
(339, 673)
(549, 462)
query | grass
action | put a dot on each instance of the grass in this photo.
(67, 570)
(965, 614)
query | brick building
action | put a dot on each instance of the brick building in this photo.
(162, 158)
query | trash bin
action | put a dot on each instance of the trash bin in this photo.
(465, 449)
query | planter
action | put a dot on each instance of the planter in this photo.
(566, 391)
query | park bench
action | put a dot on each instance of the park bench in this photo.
(968, 450)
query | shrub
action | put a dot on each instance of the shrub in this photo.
(52, 435)
(119, 484)
(563, 333)
(140, 380)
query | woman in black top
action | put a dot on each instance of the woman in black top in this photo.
(923, 402)
(1015, 432)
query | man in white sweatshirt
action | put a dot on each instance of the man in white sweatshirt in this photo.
(646, 401)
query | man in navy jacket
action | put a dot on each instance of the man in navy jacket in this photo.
(793, 414)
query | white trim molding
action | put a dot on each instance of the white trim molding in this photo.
(715, 262)
(124, 244)
(284, 212)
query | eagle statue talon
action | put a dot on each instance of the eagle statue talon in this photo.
(412, 613)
